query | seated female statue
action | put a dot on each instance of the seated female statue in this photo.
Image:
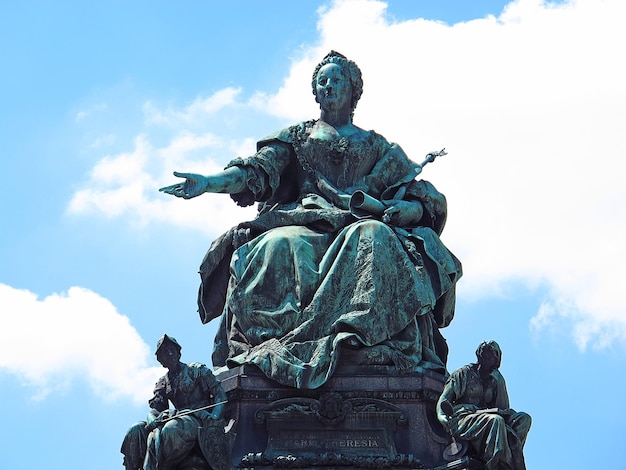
(474, 406)
(308, 284)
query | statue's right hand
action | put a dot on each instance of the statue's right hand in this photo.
(193, 186)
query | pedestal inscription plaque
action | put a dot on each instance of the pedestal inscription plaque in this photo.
(364, 417)
(306, 431)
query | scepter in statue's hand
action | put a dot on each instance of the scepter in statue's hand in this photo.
(430, 157)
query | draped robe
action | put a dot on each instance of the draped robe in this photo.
(307, 279)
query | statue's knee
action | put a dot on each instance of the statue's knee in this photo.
(522, 422)
(138, 429)
(168, 430)
(371, 224)
(278, 243)
(499, 422)
(373, 228)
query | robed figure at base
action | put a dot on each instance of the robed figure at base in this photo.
(309, 283)
(474, 406)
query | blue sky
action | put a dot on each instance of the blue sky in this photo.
(101, 102)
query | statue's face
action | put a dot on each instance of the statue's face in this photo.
(489, 359)
(168, 355)
(333, 89)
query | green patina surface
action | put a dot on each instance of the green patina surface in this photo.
(310, 284)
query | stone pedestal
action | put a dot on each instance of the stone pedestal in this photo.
(363, 417)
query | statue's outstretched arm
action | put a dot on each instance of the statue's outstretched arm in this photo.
(231, 180)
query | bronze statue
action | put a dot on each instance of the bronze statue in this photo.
(474, 406)
(191, 436)
(309, 282)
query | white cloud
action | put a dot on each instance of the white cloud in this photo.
(127, 185)
(531, 108)
(73, 336)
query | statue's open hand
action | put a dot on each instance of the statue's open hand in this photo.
(193, 186)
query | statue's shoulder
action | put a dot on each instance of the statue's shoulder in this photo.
(498, 377)
(198, 370)
(462, 372)
(377, 138)
(288, 135)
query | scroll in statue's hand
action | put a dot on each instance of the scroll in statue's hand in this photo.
(194, 185)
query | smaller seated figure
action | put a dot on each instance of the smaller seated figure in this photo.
(189, 437)
(474, 407)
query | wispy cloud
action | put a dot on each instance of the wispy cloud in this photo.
(83, 114)
(127, 185)
(198, 109)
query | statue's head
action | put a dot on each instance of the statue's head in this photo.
(167, 350)
(350, 70)
(165, 339)
(489, 347)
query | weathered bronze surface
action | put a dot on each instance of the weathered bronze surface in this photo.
(189, 437)
(309, 284)
(474, 407)
(362, 417)
(330, 303)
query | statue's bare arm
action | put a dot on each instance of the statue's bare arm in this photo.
(231, 180)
